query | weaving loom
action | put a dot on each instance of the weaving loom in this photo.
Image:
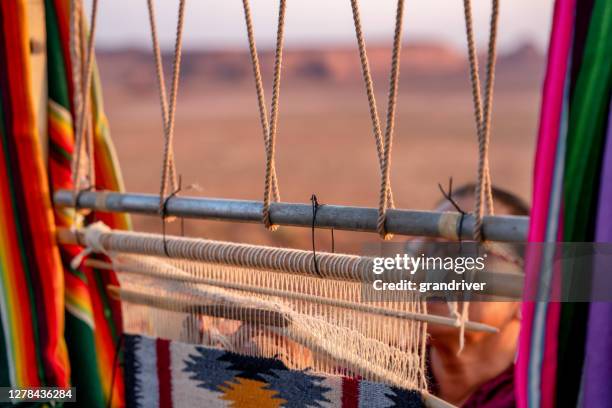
(209, 323)
(276, 303)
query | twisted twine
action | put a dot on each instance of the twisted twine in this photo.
(271, 191)
(161, 84)
(384, 144)
(482, 114)
(82, 79)
(168, 172)
(76, 67)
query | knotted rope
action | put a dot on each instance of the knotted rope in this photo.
(383, 144)
(168, 108)
(93, 244)
(82, 78)
(482, 113)
(271, 192)
(76, 66)
(161, 84)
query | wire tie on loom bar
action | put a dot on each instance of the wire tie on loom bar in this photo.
(315, 209)
(77, 197)
(453, 306)
(78, 209)
(165, 218)
(448, 195)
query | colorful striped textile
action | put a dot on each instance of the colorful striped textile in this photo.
(585, 142)
(32, 347)
(162, 373)
(536, 362)
(566, 188)
(598, 364)
(93, 319)
(58, 325)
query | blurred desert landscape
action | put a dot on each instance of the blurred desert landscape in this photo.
(325, 142)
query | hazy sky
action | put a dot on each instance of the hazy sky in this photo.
(220, 23)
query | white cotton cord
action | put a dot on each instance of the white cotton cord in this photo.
(217, 337)
(453, 309)
(77, 260)
(92, 242)
(462, 320)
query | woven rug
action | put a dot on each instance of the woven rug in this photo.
(163, 373)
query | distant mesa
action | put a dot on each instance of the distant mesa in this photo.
(134, 69)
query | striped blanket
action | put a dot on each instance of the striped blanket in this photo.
(567, 195)
(58, 325)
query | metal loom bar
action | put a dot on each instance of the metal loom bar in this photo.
(503, 228)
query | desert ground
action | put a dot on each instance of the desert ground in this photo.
(325, 142)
